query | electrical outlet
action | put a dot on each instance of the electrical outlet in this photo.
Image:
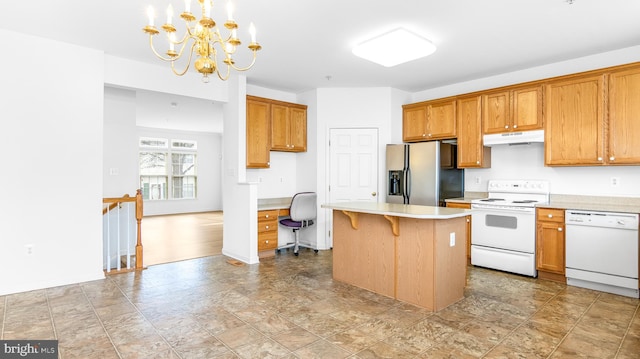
(477, 179)
(615, 181)
(28, 249)
(452, 239)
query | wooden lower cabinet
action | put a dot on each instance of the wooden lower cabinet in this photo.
(267, 232)
(468, 218)
(550, 244)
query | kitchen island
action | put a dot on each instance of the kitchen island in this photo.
(416, 254)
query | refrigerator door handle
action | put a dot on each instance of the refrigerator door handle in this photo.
(407, 185)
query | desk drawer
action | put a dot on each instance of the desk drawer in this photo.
(268, 226)
(268, 215)
(267, 241)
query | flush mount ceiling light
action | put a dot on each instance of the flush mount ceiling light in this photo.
(394, 48)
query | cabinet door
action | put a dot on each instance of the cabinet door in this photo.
(526, 111)
(280, 128)
(414, 123)
(471, 152)
(496, 113)
(624, 117)
(550, 247)
(298, 129)
(258, 134)
(441, 120)
(574, 125)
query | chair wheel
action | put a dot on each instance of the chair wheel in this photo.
(315, 250)
(296, 253)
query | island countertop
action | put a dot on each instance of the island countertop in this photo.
(399, 210)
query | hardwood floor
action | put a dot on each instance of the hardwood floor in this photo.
(178, 237)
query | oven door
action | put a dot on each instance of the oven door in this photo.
(504, 228)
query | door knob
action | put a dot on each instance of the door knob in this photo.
(373, 194)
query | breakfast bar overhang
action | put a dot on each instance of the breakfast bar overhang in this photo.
(416, 254)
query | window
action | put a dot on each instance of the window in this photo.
(161, 179)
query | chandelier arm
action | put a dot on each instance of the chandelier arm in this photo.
(188, 62)
(247, 67)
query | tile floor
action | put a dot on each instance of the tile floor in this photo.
(289, 307)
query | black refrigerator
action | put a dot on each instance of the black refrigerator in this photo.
(423, 173)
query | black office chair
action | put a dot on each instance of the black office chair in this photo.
(302, 214)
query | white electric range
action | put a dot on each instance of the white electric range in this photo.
(503, 227)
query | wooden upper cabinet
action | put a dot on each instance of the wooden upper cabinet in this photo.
(441, 119)
(624, 118)
(471, 152)
(414, 123)
(574, 121)
(429, 120)
(288, 127)
(512, 110)
(258, 133)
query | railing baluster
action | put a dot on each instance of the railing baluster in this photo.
(129, 212)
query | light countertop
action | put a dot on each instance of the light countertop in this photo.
(265, 204)
(399, 210)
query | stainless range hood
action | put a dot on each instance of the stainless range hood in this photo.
(514, 138)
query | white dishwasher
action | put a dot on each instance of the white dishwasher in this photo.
(602, 251)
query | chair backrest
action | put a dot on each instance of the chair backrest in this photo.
(303, 206)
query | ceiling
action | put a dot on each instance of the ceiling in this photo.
(307, 44)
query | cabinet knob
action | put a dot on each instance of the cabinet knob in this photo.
(559, 229)
(507, 126)
(468, 220)
(612, 158)
(550, 215)
(515, 126)
(266, 242)
(424, 135)
(599, 158)
(266, 227)
(266, 216)
(374, 194)
(429, 135)
(477, 162)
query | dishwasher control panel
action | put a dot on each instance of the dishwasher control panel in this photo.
(602, 219)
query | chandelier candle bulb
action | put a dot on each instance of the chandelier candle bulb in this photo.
(151, 14)
(252, 31)
(230, 11)
(207, 8)
(169, 14)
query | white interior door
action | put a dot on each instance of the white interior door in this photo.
(353, 167)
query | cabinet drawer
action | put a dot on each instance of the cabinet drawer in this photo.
(551, 215)
(268, 226)
(267, 240)
(268, 215)
(459, 205)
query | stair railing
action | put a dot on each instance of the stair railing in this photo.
(117, 213)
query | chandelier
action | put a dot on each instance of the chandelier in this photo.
(208, 44)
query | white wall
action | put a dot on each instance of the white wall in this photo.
(527, 162)
(120, 166)
(51, 185)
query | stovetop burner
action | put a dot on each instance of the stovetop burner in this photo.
(515, 193)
